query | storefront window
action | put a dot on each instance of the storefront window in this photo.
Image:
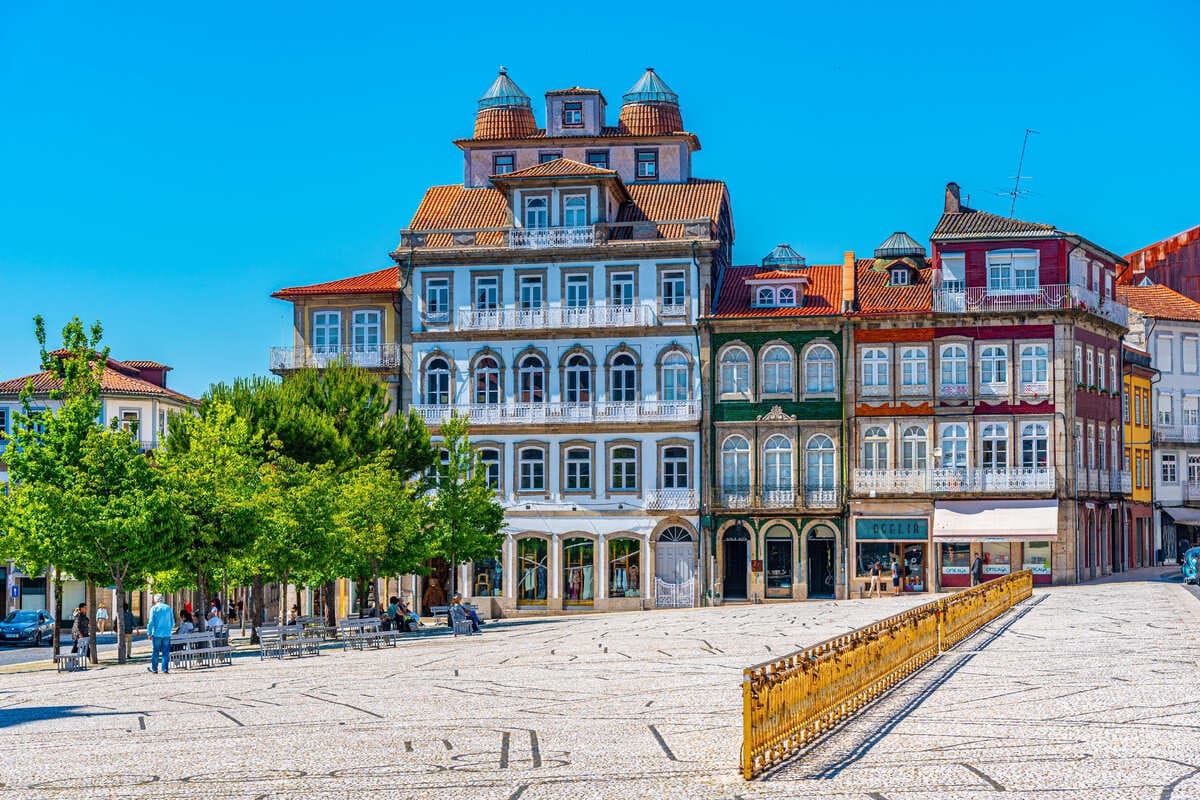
(779, 563)
(532, 560)
(995, 558)
(872, 552)
(956, 559)
(1037, 560)
(624, 568)
(913, 568)
(489, 578)
(579, 557)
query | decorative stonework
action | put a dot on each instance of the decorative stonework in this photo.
(776, 414)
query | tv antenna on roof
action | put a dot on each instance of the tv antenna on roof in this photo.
(1017, 191)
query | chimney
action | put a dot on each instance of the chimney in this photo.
(953, 201)
(849, 280)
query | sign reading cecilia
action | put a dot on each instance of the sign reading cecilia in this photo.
(903, 529)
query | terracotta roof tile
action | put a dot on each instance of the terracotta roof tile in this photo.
(557, 168)
(381, 281)
(696, 199)
(504, 122)
(875, 296)
(111, 381)
(454, 207)
(650, 119)
(972, 224)
(1159, 302)
(822, 297)
(607, 132)
(146, 365)
(780, 274)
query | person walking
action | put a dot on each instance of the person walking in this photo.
(873, 591)
(977, 570)
(127, 618)
(102, 618)
(158, 629)
(81, 634)
(895, 576)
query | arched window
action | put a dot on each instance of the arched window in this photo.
(995, 446)
(777, 370)
(489, 461)
(954, 370)
(531, 380)
(579, 379)
(537, 212)
(575, 211)
(1035, 446)
(675, 378)
(735, 464)
(622, 379)
(1035, 364)
(533, 469)
(819, 369)
(437, 382)
(487, 382)
(675, 534)
(914, 367)
(875, 448)
(875, 370)
(914, 448)
(954, 446)
(765, 296)
(818, 464)
(777, 464)
(675, 468)
(735, 371)
(993, 365)
(787, 296)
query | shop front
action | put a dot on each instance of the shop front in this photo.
(1008, 535)
(884, 540)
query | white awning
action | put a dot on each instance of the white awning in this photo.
(995, 520)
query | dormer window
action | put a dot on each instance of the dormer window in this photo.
(572, 114)
(786, 296)
(766, 296)
(899, 277)
(777, 297)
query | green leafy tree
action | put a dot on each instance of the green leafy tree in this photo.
(466, 522)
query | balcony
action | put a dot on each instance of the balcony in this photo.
(384, 356)
(551, 317)
(950, 480)
(1191, 491)
(543, 238)
(1122, 481)
(775, 498)
(1060, 296)
(603, 233)
(672, 500)
(551, 413)
(1183, 434)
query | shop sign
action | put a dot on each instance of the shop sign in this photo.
(995, 569)
(1037, 569)
(955, 570)
(905, 529)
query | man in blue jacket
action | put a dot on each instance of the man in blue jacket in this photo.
(158, 628)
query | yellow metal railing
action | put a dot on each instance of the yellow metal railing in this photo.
(790, 701)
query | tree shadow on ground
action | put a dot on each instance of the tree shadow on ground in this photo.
(11, 717)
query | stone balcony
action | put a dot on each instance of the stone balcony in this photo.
(672, 500)
(1015, 480)
(1181, 434)
(553, 317)
(603, 233)
(560, 413)
(957, 299)
(775, 498)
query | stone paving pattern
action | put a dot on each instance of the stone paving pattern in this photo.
(1082, 692)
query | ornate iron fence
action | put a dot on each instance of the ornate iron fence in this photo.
(790, 701)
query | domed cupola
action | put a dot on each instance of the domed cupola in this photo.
(505, 112)
(650, 108)
(900, 245)
(784, 256)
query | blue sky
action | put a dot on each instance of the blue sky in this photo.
(165, 166)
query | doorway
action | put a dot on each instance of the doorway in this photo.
(821, 581)
(779, 563)
(736, 558)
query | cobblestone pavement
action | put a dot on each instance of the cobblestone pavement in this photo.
(1081, 692)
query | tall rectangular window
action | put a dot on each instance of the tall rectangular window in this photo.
(487, 293)
(1164, 347)
(537, 212)
(579, 470)
(623, 469)
(1170, 468)
(437, 299)
(327, 331)
(1012, 271)
(1166, 409)
(1078, 365)
(597, 159)
(1190, 356)
(1193, 468)
(675, 468)
(502, 163)
(533, 469)
(1091, 446)
(914, 367)
(1091, 367)
(1112, 371)
(574, 211)
(647, 165)
(531, 292)
(1191, 410)
(673, 285)
(579, 291)
(621, 289)
(572, 114)
(364, 331)
(994, 446)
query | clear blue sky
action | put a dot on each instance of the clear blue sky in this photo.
(165, 166)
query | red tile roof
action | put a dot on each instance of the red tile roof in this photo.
(505, 122)
(454, 207)
(646, 119)
(381, 281)
(1159, 302)
(1153, 255)
(147, 365)
(696, 199)
(972, 224)
(780, 274)
(112, 381)
(607, 132)
(559, 167)
(822, 296)
(875, 296)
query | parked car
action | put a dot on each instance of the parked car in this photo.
(1189, 563)
(27, 627)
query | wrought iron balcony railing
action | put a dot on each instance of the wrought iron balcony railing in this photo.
(549, 413)
(601, 233)
(957, 299)
(951, 479)
(774, 498)
(384, 356)
(548, 317)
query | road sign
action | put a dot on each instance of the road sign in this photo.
(16, 591)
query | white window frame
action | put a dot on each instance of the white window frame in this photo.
(778, 469)
(954, 440)
(876, 447)
(876, 369)
(575, 211)
(989, 357)
(326, 331)
(531, 479)
(914, 367)
(486, 294)
(993, 439)
(1164, 345)
(820, 457)
(676, 468)
(1013, 271)
(778, 374)
(735, 463)
(675, 385)
(735, 375)
(1035, 445)
(821, 367)
(954, 362)
(536, 214)
(914, 447)
(1169, 468)
(577, 469)
(624, 467)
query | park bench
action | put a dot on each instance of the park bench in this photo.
(363, 633)
(441, 613)
(278, 641)
(70, 662)
(315, 626)
(461, 622)
(191, 650)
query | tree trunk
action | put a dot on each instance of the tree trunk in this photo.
(255, 607)
(57, 611)
(328, 592)
(283, 587)
(453, 577)
(91, 604)
(379, 604)
(119, 616)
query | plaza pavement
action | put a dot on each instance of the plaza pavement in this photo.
(1083, 692)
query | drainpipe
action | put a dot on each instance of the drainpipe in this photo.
(845, 460)
(701, 483)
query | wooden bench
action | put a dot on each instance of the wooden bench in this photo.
(363, 633)
(191, 650)
(278, 641)
(70, 662)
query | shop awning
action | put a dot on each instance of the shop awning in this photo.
(1184, 516)
(998, 520)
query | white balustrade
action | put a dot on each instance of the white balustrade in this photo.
(873, 391)
(547, 413)
(542, 238)
(671, 500)
(1177, 433)
(951, 479)
(381, 356)
(549, 317)
(981, 299)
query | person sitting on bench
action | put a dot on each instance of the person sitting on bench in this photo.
(467, 611)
